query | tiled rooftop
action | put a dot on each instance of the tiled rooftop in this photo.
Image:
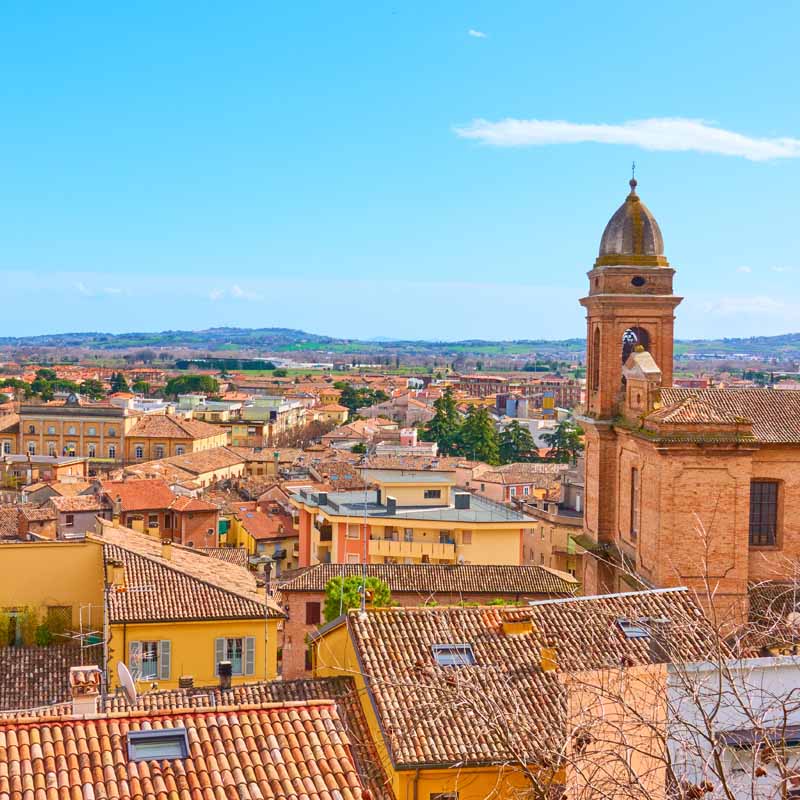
(431, 579)
(188, 586)
(274, 750)
(503, 706)
(166, 426)
(233, 555)
(775, 414)
(139, 495)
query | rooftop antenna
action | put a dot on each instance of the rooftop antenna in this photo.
(127, 683)
(633, 171)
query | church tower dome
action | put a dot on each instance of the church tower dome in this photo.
(632, 236)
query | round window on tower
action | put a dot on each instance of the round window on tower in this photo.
(638, 281)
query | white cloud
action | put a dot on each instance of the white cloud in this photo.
(86, 291)
(476, 34)
(216, 294)
(744, 269)
(783, 269)
(762, 304)
(661, 133)
(243, 294)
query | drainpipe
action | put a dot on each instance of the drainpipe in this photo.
(416, 783)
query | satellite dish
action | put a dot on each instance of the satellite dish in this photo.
(127, 683)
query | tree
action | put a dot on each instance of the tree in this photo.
(342, 594)
(478, 438)
(279, 373)
(146, 356)
(516, 443)
(564, 442)
(119, 383)
(445, 425)
(359, 447)
(353, 398)
(92, 388)
(45, 374)
(187, 384)
(141, 387)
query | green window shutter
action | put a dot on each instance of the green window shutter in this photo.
(249, 655)
(164, 659)
(135, 659)
(219, 653)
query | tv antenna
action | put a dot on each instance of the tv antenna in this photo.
(127, 683)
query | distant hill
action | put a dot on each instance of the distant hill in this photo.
(290, 340)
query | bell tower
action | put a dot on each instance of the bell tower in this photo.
(630, 305)
(630, 302)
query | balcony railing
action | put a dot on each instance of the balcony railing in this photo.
(392, 549)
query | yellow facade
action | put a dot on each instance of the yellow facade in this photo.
(334, 654)
(192, 649)
(146, 448)
(44, 575)
(238, 536)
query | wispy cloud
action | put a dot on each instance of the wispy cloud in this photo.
(660, 133)
(243, 294)
(476, 34)
(216, 294)
(783, 269)
(87, 291)
(762, 304)
(744, 269)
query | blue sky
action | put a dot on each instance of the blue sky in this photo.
(420, 170)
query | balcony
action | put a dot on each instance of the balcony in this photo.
(392, 549)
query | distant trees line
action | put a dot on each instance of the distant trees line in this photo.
(225, 364)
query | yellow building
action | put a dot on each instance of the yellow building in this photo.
(412, 517)
(157, 436)
(74, 427)
(170, 611)
(332, 412)
(471, 702)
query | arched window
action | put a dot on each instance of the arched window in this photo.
(631, 338)
(596, 360)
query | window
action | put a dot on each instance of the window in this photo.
(168, 520)
(138, 451)
(512, 492)
(71, 430)
(483, 487)
(408, 535)
(352, 532)
(6, 448)
(149, 661)
(634, 521)
(159, 451)
(763, 513)
(352, 558)
(51, 448)
(313, 613)
(152, 521)
(180, 450)
(51, 429)
(241, 652)
(158, 745)
(31, 429)
(32, 448)
(466, 537)
(69, 521)
(91, 431)
(432, 494)
(526, 490)
(632, 629)
(595, 368)
(112, 432)
(92, 450)
(112, 451)
(453, 655)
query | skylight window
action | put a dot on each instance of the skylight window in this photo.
(453, 655)
(159, 745)
(633, 629)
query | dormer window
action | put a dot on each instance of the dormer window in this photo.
(453, 655)
(633, 629)
(158, 745)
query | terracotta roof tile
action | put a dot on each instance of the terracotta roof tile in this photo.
(79, 503)
(277, 750)
(775, 414)
(139, 495)
(166, 426)
(430, 579)
(233, 555)
(453, 715)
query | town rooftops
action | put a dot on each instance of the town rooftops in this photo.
(371, 503)
(81, 503)
(476, 686)
(288, 749)
(431, 579)
(166, 426)
(179, 583)
(139, 495)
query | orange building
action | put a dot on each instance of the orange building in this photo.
(683, 486)
(158, 436)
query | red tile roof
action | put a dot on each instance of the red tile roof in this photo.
(272, 750)
(139, 494)
(166, 426)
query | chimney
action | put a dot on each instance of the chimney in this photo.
(225, 671)
(186, 682)
(84, 685)
(166, 549)
(391, 505)
(116, 513)
(461, 500)
(117, 577)
(548, 659)
(659, 628)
